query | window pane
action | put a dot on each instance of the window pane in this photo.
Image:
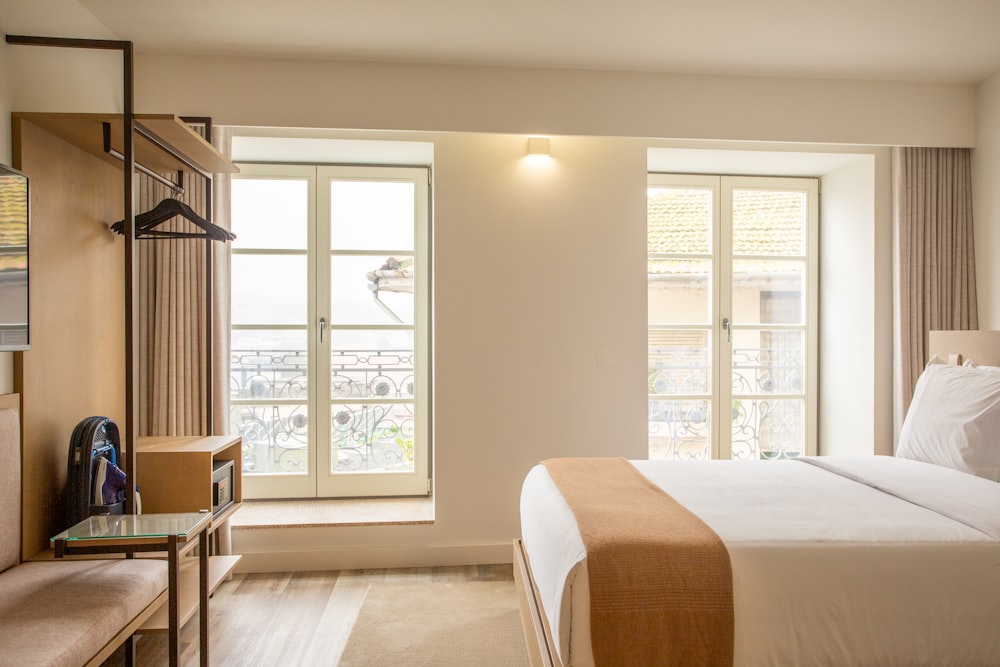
(767, 428)
(680, 430)
(268, 364)
(768, 291)
(269, 289)
(371, 215)
(371, 364)
(270, 213)
(679, 290)
(372, 438)
(679, 220)
(356, 340)
(275, 438)
(368, 290)
(679, 362)
(767, 222)
(768, 362)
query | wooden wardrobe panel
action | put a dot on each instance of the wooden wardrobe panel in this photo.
(76, 365)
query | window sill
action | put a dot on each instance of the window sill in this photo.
(333, 512)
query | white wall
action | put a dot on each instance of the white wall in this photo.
(855, 397)
(540, 346)
(539, 326)
(53, 79)
(309, 93)
(539, 274)
(986, 202)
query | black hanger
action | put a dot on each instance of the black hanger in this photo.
(167, 209)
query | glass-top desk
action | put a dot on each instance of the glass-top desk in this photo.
(132, 533)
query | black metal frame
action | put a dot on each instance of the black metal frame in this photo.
(128, 158)
(173, 546)
(130, 128)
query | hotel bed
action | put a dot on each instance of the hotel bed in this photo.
(819, 561)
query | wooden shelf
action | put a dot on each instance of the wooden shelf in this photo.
(175, 473)
(85, 131)
(212, 444)
(219, 568)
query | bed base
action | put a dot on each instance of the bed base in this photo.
(535, 626)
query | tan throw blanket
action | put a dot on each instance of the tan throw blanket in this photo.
(661, 587)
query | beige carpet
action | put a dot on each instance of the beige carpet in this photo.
(438, 623)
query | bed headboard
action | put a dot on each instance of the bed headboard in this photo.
(982, 347)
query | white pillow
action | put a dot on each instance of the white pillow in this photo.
(954, 420)
(969, 363)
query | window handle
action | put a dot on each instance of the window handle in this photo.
(322, 328)
(728, 327)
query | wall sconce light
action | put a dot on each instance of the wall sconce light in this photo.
(538, 146)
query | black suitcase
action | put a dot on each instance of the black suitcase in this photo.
(93, 439)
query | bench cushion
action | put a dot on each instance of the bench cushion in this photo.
(64, 612)
(10, 489)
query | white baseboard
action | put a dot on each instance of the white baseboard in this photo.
(374, 558)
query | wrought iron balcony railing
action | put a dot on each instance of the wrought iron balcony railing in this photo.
(371, 395)
(767, 411)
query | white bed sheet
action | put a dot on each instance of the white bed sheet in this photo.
(827, 569)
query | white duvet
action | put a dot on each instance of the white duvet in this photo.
(835, 561)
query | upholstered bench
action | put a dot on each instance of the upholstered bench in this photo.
(63, 612)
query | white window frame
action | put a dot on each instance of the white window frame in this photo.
(318, 482)
(721, 306)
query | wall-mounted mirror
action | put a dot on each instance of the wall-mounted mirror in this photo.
(14, 219)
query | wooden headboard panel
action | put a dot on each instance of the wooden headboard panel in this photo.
(982, 347)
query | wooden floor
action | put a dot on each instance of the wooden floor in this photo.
(291, 618)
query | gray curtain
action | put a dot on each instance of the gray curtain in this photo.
(935, 264)
(172, 315)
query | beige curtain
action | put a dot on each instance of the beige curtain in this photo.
(936, 268)
(172, 315)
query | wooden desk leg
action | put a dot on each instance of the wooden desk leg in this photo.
(173, 606)
(203, 594)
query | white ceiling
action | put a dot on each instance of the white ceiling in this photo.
(918, 40)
